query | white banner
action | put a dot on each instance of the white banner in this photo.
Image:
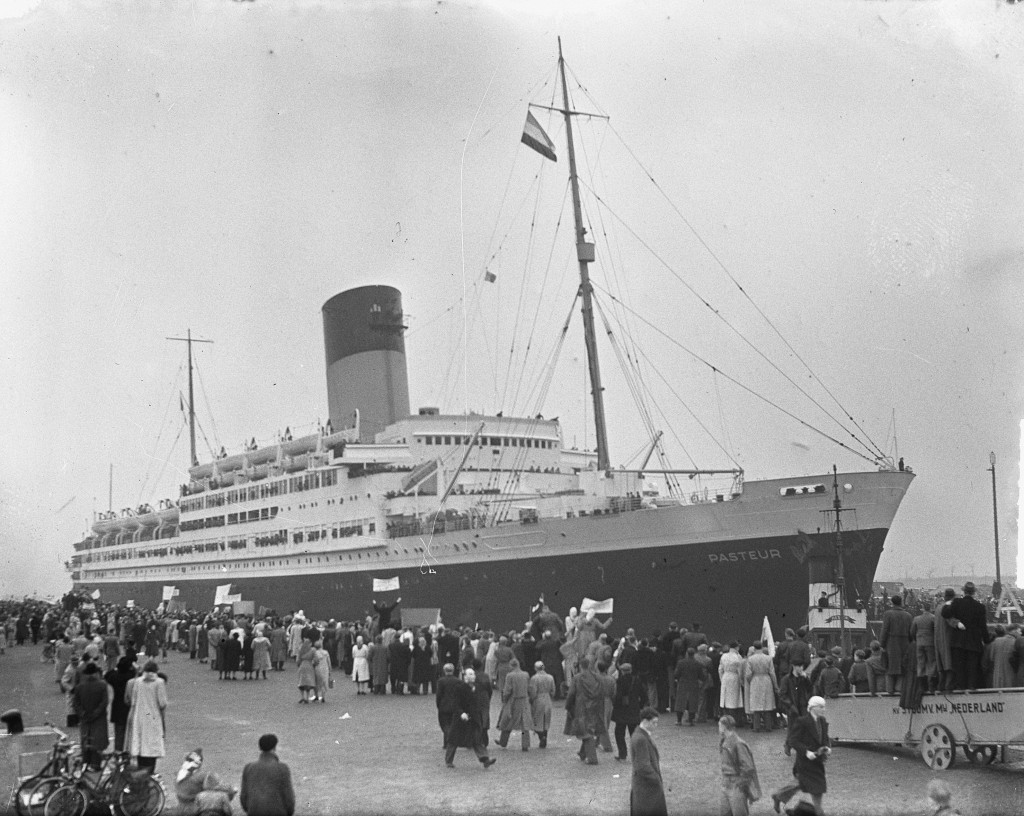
(233, 599)
(130, 604)
(599, 607)
(95, 594)
(223, 591)
(766, 637)
(385, 584)
(169, 592)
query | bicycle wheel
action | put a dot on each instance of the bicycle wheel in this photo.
(31, 794)
(65, 800)
(141, 797)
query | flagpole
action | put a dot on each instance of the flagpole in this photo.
(191, 400)
(585, 254)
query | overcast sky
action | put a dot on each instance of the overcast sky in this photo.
(227, 167)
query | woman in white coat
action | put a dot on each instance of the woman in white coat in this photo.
(147, 696)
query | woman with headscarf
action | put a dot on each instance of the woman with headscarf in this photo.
(422, 671)
(307, 674)
(260, 655)
(147, 696)
(360, 664)
(232, 655)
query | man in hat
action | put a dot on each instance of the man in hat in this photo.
(267, 783)
(809, 738)
(968, 638)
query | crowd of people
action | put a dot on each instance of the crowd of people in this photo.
(107, 664)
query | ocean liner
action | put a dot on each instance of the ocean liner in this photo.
(479, 515)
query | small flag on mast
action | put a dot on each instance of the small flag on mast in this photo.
(535, 137)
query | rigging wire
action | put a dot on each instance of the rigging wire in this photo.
(209, 411)
(462, 243)
(170, 453)
(540, 298)
(163, 422)
(746, 388)
(746, 295)
(731, 327)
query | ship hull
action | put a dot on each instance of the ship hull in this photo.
(728, 586)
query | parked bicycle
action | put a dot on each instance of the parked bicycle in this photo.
(124, 790)
(30, 796)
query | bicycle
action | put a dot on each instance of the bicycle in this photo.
(116, 786)
(31, 794)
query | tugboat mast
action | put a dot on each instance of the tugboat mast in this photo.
(585, 255)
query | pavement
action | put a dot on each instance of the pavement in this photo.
(382, 755)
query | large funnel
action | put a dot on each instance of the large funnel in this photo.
(365, 348)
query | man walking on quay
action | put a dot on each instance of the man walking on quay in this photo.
(809, 738)
(647, 790)
(447, 695)
(740, 786)
(467, 723)
(267, 783)
(584, 711)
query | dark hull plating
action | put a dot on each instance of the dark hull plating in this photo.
(728, 587)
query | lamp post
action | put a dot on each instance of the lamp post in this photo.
(997, 589)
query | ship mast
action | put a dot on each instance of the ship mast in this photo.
(585, 255)
(191, 400)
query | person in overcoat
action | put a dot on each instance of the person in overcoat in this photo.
(689, 678)
(809, 738)
(516, 714)
(541, 690)
(260, 655)
(91, 703)
(278, 647)
(422, 670)
(147, 696)
(895, 640)
(202, 643)
(503, 657)
(764, 687)
(998, 659)
(267, 783)
(445, 697)
(232, 655)
(307, 676)
(119, 707)
(943, 641)
(968, 638)
(731, 695)
(466, 730)
(922, 633)
(584, 711)
(646, 790)
(630, 699)
(378, 658)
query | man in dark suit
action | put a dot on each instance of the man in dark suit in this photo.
(646, 790)
(809, 738)
(447, 697)
(399, 659)
(968, 638)
(267, 783)
(467, 723)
